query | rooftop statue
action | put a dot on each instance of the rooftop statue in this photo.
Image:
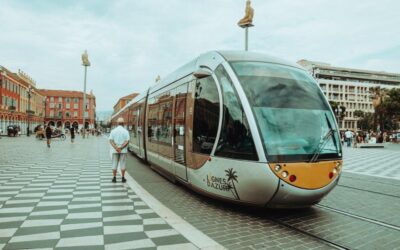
(247, 20)
(85, 59)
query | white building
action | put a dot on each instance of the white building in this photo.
(350, 87)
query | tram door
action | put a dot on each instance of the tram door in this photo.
(139, 130)
(179, 131)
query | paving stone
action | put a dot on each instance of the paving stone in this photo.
(227, 224)
(63, 199)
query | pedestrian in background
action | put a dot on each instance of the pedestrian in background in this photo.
(49, 133)
(349, 136)
(72, 132)
(119, 139)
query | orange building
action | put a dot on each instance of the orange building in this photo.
(123, 101)
(20, 102)
(64, 108)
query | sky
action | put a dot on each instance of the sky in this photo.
(130, 42)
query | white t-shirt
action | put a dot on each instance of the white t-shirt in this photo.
(119, 135)
(348, 134)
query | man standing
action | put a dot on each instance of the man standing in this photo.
(72, 131)
(119, 139)
(49, 132)
(349, 136)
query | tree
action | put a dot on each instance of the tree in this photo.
(359, 113)
(379, 95)
(366, 122)
(334, 105)
(338, 110)
(390, 108)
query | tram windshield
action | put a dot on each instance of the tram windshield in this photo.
(292, 114)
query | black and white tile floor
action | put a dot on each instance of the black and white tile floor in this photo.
(63, 197)
(373, 162)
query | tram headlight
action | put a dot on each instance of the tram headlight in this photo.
(334, 171)
(278, 168)
(285, 174)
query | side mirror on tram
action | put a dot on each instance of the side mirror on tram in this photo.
(201, 73)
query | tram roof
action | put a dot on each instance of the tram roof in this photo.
(235, 55)
(228, 55)
(190, 67)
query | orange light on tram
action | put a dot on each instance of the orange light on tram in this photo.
(331, 175)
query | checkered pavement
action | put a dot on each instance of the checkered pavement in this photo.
(63, 198)
(375, 162)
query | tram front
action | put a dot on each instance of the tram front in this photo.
(297, 129)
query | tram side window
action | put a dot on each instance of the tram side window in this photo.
(140, 118)
(236, 140)
(133, 122)
(166, 122)
(206, 115)
(152, 128)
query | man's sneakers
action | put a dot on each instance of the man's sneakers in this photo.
(114, 179)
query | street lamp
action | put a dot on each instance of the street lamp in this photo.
(340, 112)
(85, 63)
(29, 109)
(44, 110)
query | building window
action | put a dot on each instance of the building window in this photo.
(75, 113)
(51, 105)
(60, 99)
(60, 105)
(75, 105)
(51, 113)
(76, 100)
(68, 105)
(52, 99)
(67, 114)
(67, 99)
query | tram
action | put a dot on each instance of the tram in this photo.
(239, 126)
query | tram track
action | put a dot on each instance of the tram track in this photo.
(369, 191)
(316, 237)
(363, 218)
(393, 182)
(328, 242)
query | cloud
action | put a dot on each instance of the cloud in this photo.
(131, 42)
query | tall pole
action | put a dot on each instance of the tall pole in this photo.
(85, 63)
(84, 102)
(29, 110)
(246, 22)
(246, 39)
